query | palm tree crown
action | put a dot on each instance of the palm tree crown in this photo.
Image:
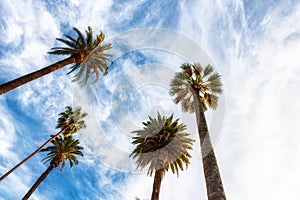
(205, 81)
(162, 144)
(89, 54)
(71, 120)
(63, 149)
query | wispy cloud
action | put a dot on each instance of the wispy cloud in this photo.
(254, 45)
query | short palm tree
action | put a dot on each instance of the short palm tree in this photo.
(63, 149)
(69, 123)
(162, 144)
(87, 54)
(197, 89)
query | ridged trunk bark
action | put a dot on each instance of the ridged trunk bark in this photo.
(6, 87)
(39, 181)
(33, 154)
(157, 183)
(214, 186)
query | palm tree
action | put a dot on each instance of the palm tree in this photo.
(197, 89)
(162, 144)
(63, 149)
(69, 123)
(86, 53)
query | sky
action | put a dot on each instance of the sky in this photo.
(254, 45)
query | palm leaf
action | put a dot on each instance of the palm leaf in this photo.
(63, 149)
(207, 70)
(159, 144)
(89, 54)
(205, 82)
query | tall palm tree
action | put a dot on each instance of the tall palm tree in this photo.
(69, 123)
(197, 89)
(87, 54)
(162, 144)
(63, 149)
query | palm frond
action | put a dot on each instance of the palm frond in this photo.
(197, 69)
(161, 144)
(207, 70)
(63, 149)
(70, 42)
(89, 37)
(212, 101)
(214, 77)
(80, 40)
(71, 120)
(89, 53)
(205, 82)
(60, 52)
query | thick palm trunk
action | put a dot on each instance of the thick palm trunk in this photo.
(33, 154)
(157, 182)
(214, 186)
(6, 87)
(38, 182)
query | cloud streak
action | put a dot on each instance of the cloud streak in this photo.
(254, 46)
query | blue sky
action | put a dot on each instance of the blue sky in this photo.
(255, 46)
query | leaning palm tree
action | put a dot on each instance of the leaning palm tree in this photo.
(197, 88)
(69, 123)
(162, 144)
(63, 149)
(87, 54)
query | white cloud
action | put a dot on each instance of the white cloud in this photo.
(261, 128)
(259, 146)
(7, 134)
(9, 154)
(25, 30)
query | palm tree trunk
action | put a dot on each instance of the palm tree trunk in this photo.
(38, 182)
(214, 186)
(6, 87)
(33, 154)
(157, 182)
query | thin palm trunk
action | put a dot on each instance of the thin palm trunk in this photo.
(6, 87)
(39, 181)
(33, 154)
(214, 186)
(157, 183)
